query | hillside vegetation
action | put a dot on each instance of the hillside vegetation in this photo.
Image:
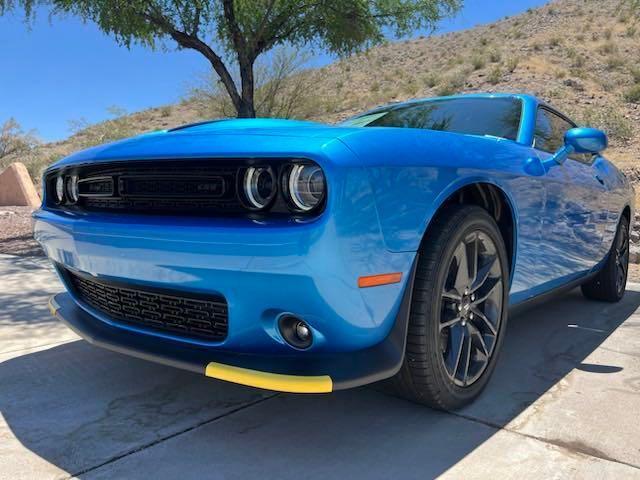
(581, 56)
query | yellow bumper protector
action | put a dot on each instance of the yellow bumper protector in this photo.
(269, 381)
(53, 306)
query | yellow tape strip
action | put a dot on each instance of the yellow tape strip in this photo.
(53, 306)
(270, 381)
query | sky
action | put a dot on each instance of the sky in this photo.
(62, 70)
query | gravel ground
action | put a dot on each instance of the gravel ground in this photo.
(16, 236)
(16, 232)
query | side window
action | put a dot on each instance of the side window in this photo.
(550, 131)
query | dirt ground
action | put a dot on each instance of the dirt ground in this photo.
(16, 232)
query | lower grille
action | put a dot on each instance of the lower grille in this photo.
(176, 313)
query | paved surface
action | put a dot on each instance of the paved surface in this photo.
(564, 402)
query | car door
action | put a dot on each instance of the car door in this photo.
(575, 214)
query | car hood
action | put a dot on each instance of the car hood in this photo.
(215, 139)
(246, 138)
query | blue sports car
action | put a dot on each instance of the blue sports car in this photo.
(307, 258)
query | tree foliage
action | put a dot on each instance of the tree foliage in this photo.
(14, 141)
(241, 30)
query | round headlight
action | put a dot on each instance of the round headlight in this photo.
(259, 186)
(60, 189)
(306, 186)
(72, 188)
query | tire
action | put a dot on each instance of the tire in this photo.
(611, 281)
(433, 351)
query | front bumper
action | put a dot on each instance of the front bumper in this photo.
(264, 268)
(315, 373)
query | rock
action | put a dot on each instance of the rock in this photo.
(573, 84)
(634, 253)
(16, 187)
(635, 236)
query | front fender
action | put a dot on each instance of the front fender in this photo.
(407, 209)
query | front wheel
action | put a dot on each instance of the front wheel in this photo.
(458, 312)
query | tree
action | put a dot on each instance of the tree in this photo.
(14, 141)
(239, 31)
(282, 88)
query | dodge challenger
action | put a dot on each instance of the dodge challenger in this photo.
(307, 258)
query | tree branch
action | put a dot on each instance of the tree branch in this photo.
(186, 40)
(236, 34)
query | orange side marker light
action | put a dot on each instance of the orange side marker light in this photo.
(376, 280)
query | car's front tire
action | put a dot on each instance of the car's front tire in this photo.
(458, 311)
(611, 281)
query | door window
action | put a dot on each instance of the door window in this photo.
(550, 131)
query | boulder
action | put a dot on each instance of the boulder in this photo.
(16, 187)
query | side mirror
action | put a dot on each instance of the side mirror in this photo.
(586, 140)
(581, 140)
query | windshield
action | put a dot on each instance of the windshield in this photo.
(497, 117)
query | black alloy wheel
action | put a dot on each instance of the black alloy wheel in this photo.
(458, 310)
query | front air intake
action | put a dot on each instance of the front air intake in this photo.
(179, 314)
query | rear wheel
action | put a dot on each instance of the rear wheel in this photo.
(610, 283)
(458, 312)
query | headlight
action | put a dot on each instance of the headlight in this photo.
(59, 189)
(306, 186)
(259, 186)
(72, 188)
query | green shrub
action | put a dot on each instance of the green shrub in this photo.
(609, 119)
(555, 42)
(452, 84)
(608, 48)
(512, 64)
(431, 80)
(633, 94)
(578, 62)
(495, 76)
(478, 62)
(615, 61)
(411, 87)
(445, 90)
(495, 56)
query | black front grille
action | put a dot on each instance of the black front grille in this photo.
(183, 315)
(162, 187)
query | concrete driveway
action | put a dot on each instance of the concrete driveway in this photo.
(564, 402)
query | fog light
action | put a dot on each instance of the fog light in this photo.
(302, 331)
(295, 332)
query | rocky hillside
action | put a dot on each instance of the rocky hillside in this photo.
(580, 55)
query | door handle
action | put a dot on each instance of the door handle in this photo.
(599, 178)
